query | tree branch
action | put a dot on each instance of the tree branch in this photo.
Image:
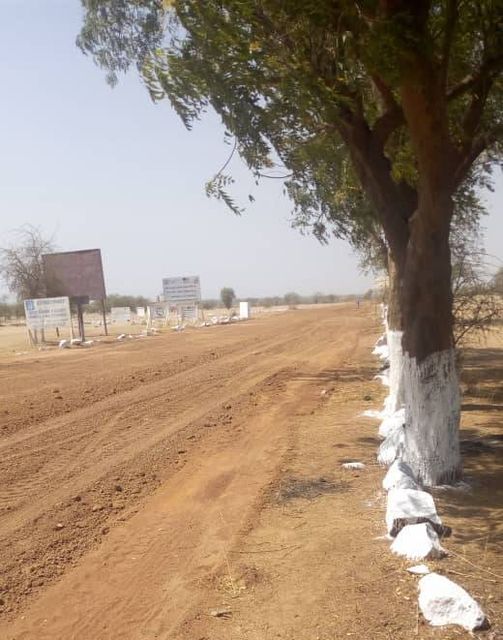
(488, 69)
(451, 19)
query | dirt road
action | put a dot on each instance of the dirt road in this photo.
(187, 486)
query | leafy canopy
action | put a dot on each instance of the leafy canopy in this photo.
(368, 105)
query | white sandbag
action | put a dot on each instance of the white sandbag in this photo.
(391, 447)
(392, 422)
(419, 570)
(418, 542)
(409, 503)
(444, 602)
(399, 476)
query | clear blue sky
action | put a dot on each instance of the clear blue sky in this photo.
(107, 168)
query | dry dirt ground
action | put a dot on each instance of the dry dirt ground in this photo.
(189, 487)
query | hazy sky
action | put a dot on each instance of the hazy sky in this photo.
(107, 168)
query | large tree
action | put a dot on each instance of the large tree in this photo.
(401, 96)
(21, 265)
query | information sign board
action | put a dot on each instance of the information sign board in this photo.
(181, 289)
(121, 315)
(48, 313)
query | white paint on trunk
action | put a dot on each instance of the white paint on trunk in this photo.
(395, 399)
(431, 438)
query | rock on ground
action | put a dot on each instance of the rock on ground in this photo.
(444, 602)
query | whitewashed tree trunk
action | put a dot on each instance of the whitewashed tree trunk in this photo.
(395, 399)
(431, 393)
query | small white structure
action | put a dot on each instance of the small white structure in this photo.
(121, 315)
(418, 542)
(410, 503)
(244, 310)
(444, 602)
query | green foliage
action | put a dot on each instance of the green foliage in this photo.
(227, 296)
(324, 90)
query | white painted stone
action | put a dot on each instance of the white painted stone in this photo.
(63, 344)
(381, 351)
(399, 476)
(353, 465)
(409, 503)
(76, 341)
(419, 570)
(121, 337)
(418, 542)
(444, 602)
(384, 378)
(431, 440)
(391, 448)
(392, 422)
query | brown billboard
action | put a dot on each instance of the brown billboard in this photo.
(76, 274)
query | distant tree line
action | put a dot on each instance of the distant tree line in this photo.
(118, 300)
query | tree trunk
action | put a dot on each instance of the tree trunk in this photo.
(431, 387)
(394, 333)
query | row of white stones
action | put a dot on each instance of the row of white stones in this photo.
(441, 601)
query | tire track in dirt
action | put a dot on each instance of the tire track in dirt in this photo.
(142, 437)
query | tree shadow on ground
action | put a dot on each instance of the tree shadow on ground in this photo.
(482, 375)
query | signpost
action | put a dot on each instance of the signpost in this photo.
(78, 275)
(184, 293)
(121, 315)
(182, 289)
(47, 313)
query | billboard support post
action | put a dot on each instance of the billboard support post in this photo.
(80, 319)
(104, 311)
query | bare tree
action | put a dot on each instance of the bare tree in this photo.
(21, 265)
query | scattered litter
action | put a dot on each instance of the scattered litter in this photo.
(323, 392)
(372, 413)
(224, 612)
(59, 526)
(122, 336)
(444, 602)
(419, 570)
(418, 542)
(399, 476)
(353, 465)
(409, 503)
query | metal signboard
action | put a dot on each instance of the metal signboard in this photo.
(140, 312)
(188, 312)
(182, 289)
(48, 313)
(75, 274)
(121, 315)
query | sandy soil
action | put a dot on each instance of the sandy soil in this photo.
(189, 487)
